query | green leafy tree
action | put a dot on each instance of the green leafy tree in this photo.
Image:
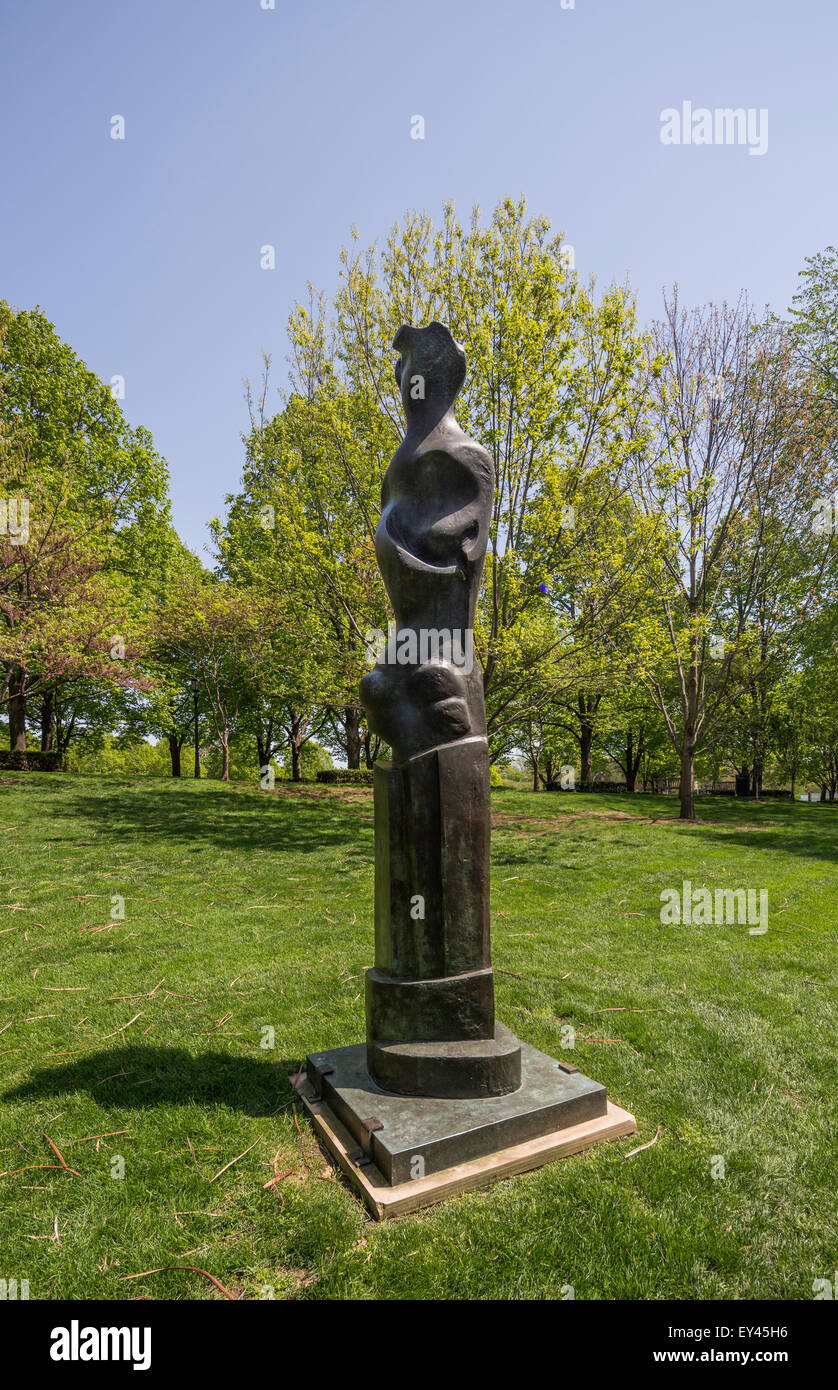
(728, 482)
(95, 496)
(814, 322)
(553, 392)
(220, 633)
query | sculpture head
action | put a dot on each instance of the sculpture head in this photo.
(431, 368)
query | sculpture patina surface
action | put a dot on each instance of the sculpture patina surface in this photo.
(439, 1078)
(430, 999)
(436, 508)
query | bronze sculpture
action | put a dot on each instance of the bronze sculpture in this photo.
(432, 981)
(439, 1082)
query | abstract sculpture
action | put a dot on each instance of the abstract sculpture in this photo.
(439, 1081)
(430, 999)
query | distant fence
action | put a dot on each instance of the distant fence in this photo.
(765, 793)
(588, 787)
(671, 787)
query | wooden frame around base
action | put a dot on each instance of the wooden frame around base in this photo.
(384, 1200)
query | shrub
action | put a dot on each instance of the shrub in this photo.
(31, 761)
(346, 776)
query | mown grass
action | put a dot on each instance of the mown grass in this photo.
(247, 910)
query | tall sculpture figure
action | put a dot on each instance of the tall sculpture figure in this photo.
(430, 1000)
(439, 1082)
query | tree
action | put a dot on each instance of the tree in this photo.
(221, 633)
(553, 378)
(728, 482)
(93, 492)
(172, 707)
(61, 620)
(820, 760)
(792, 728)
(296, 527)
(814, 323)
(631, 731)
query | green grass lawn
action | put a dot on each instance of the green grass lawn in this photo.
(248, 910)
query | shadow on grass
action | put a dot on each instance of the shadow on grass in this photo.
(226, 816)
(138, 1077)
(811, 831)
(788, 826)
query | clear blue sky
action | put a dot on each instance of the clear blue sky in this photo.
(247, 126)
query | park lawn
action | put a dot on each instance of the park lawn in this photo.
(247, 911)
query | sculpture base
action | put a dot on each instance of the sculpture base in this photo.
(415, 1136)
(473, 1068)
(385, 1199)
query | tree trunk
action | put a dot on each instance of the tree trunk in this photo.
(535, 757)
(174, 754)
(264, 743)
(197, 771)
(353, 737)
(586, 739)
(296, 741)
(63, 732)
(225, 756)
(685, 787)
(17, 711)
(587, 706)
(633, 757)
(47, 719)
(685, 790)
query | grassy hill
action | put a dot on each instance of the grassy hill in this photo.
(247, 926)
